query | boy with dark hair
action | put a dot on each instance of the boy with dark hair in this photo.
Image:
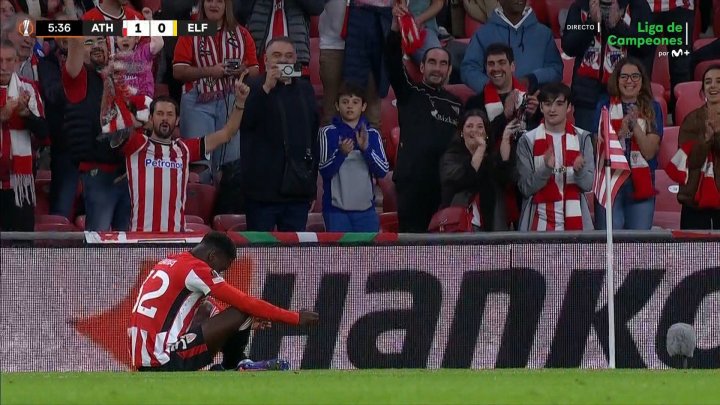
(351, 154)
(555, 168)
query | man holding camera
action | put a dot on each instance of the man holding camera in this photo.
(279, 151)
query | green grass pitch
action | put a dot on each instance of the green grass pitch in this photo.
(366, 387)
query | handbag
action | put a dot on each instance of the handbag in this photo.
(451, 220)
(299, 177)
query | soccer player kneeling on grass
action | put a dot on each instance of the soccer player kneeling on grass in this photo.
(165, 333)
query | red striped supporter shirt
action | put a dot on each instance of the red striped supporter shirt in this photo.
(658, 6)
(169, 298)
(158, 175)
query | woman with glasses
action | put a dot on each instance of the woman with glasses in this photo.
(696, 166)
(638, 121)
(595, 56)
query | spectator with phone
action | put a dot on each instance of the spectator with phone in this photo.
(595, 58)
(279, 144)
(351, 155)
(638, 121)
(209, 67)
(555, 167)
(137, 58)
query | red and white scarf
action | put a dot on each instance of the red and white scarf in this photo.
(493, 103)
(278, 21)
(207, 54)
(412, 38)
(119, 105)
(639, 169)
(590, 66)
(707, 195)
(16, 138)
(560, 194)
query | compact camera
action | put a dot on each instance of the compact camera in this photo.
(233, 64)
(290, 70)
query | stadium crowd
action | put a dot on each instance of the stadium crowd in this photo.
(360, 116)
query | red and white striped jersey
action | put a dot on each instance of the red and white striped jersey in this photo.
(658, 6)
(158, 176)
(166, 305)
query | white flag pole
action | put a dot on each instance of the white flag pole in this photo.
(609, 274)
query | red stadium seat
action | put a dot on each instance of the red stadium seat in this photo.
(700, 42)
(315, 67)
(663, 108)
(661, 71)
(51, 220)
(42, 196)
(197, 228)
(702, 66)
(388, 114)
(413, 70)
(668, 146)
(391, 146)
(471, 25)
(317, 204)
(667, 208)
(315, 222)
(554, 9)
(193, 177)
(688, 99)
(657, 90)
(388, 222)
(43, 175)
(687, 89)
(200, 200)
(462, 91)
(193, 219)
(314, 30)
(387, 186)
(227, 222)
(80, 222)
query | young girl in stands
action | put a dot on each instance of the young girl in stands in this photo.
(696, 166)
(638, 121)
(351, 154)
(135, 58)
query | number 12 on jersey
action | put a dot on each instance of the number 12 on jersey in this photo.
(150, 311)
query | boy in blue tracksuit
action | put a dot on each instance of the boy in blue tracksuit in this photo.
(351, 154)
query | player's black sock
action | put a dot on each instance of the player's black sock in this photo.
(234, 349)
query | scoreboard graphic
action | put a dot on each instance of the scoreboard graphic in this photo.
(125, 28)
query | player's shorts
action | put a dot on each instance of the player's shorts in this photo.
(189, 353)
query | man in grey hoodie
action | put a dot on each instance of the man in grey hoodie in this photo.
(536, 55)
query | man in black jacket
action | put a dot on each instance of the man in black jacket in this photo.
(428, 117)
(64, 174)
(279, 151)
(102, 170)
